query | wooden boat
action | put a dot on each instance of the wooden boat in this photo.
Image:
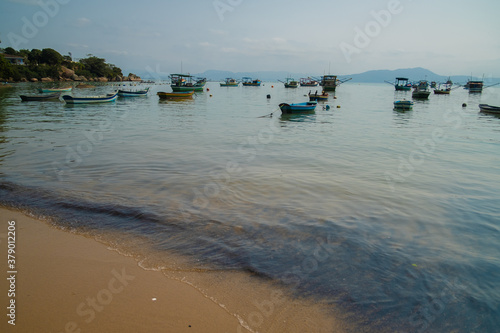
(403, 105)
(54, 90)
(230, 83)
(175, 95)
(421, 90)
(91, 99)
(316, 97)
(401, 84)
(185, 82)
(249, 82)
(445, 90)
(330, 82)
(132, 93)
(442, 91)
(290, 83)
(489, 109)
(308, 82)
(298, 107)
(40, 97)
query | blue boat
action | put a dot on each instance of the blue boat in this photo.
(298, 107)
(249, 82)
(91, 99)
(403, 105)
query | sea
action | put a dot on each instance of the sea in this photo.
(389, 217)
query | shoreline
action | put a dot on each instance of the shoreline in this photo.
(71, 283)
(67, 283)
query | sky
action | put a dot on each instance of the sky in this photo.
(319, 37)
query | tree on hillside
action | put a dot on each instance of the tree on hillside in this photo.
(35, 56)
(6, 70)
(98, 67)
(10, 51)
(51, 57)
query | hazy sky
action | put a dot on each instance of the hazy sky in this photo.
(341, 37)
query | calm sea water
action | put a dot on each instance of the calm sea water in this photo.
(392, 216)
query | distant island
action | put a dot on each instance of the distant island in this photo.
(48, 65)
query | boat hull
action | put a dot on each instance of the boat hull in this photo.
(90, 99)
(127, 93)
(49, 97)
(421, 94)
(298, 107)
(403, 88)
(187, 88)
(489, 109)
(403, 105)
(175, 95)
(316, 97)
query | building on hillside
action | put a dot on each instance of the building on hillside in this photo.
(15, 60)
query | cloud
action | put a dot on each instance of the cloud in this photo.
(78, 46)
(219, 32)
(82, 22)
(116, 52)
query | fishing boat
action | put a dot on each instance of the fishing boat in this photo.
(249, 82)
(186, 82)
(403, 105)
(318, 97)
(175, 95)
(298, 107)
(444, 91)
(230, 83)
(401, 84)
(421, 90)
(133, 93)
(40, 97)
(475, 86)
(290, 83)
(330, 82)
(489, 109)
(54, 90)
(308, 82)
(91, 99)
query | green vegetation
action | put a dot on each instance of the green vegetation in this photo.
(48, 63)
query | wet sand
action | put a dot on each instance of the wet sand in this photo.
(66, 282)
(69, 283)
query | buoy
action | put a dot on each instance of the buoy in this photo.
(327, 107)
(208, 89)
(334, 97)
(268, 96)
(272, 86)
(338, 106)
(210, 95)
(464, 105)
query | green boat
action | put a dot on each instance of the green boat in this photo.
(186, 82)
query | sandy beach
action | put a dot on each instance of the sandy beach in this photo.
(69, 283)
(64, 282)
